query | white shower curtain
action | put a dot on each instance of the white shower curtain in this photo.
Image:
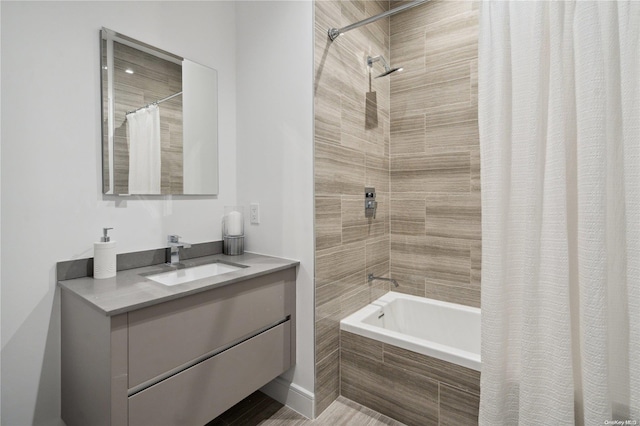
(143, 135)
(559, 117)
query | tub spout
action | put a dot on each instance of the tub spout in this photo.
(371, 278)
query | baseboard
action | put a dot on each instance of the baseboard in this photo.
(291, 395)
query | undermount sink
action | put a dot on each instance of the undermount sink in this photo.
(185, 275)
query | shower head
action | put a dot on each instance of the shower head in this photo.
(387, 69)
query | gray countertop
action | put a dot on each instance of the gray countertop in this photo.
(130, 289)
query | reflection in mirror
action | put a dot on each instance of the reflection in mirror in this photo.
(159, 121)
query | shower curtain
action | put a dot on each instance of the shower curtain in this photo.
(559, 117)
(143, 135)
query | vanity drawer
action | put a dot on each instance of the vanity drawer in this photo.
(206, 390)
(167, 337)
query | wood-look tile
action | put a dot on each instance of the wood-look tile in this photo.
(476, 263)
(376, 7)
(446, 92)
(459, 134)
(403, 123)
(327, 387)
(461, 294)
(379, 288)
(408, 134)
(265, 411)
(451, 114)
(474, 159)
(377, 172)
(239, 409)
(259, 413)
(447, 261)
(446, 172)
(377, 251)
(328, 227)
(353, 10)
(415, 100)
(408, 283)
(327, 335)
(336, 414)
(327, 115)
(474, 81)
(357, 227)
(354, 132)
(377, 32)
(285, 417)
(371, 111)
(382, 216)
(407, 51)
(395, 392)
(334, 290)
(377, 162)
(358, 299)
(325, 13)
(353, 53)
(330, 308)
(452, 39)
(408, 46)
(428, 14)
(431, 161)
(361, 345)
(453, 216)
(441, 72)
(433, 368)
(408, 254)
(338, 170)
(407, 216)
(329, 71)
(458, 407)
(340, 262)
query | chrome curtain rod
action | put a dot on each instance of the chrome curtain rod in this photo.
(156, 102)
(335, 32)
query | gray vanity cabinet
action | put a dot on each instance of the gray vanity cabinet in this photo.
(180, 362)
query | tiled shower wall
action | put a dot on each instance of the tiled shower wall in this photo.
(351, 153)
(414, 137)
(434, 152)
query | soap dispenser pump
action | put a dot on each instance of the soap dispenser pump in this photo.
(104, 256)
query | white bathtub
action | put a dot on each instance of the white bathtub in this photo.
(442, 330)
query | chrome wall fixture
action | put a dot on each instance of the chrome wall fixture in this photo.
(370, 203)
(334, 33)
(387, 69)
(370, 278)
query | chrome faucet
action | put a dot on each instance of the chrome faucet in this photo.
(174, 247)
(371, 278)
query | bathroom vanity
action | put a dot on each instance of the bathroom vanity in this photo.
(138, 352)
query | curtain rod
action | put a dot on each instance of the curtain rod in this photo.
(335, 32)
(156, 102)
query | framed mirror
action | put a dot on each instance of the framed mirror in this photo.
(159, 121)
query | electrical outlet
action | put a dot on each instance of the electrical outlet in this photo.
(254, 213)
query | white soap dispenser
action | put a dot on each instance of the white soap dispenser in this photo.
(104, 257)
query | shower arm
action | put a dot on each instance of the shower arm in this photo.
(372, 60)
(334, 33)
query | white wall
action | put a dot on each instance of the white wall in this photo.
(0, 202)
(52, 206)
(275, 143)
